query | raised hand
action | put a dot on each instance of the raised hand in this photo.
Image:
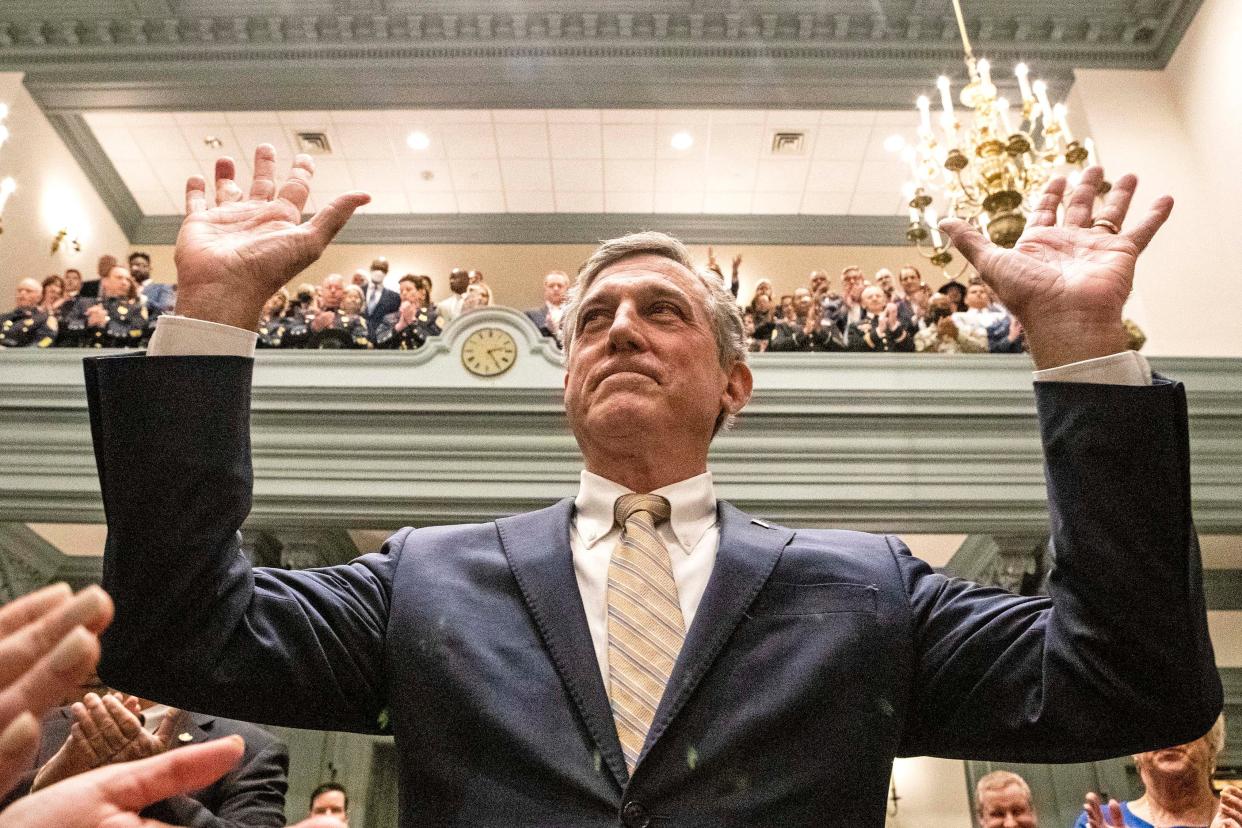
(113, 796)
(1230, 813)
(1099, 816)
(1067, 284)
(234, 254)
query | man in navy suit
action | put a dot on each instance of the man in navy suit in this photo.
(644, 653)
(548, 317)
(379, 300)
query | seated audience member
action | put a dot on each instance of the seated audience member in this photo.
(162, 296)
(879, 328)
(53, 294)
(91, 288)
(884, 279)
(117, 319)
(73, 282)
(273, 323)
(939, 333)
(1177, 783)
(329, 805)
(450, 308)
(478, 295)
(380, 301)
(331, 326)
(978, 313)
(109, 729)
(1003, 800)
(28, 324)
(1005, 336)
(956, 292)
(548, 317)
(409, 326)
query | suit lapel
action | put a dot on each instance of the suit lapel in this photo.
(747, 555)
(537, 546)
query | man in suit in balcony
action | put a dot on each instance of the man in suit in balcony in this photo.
(547, 318)
(380, 301)
(645, 653)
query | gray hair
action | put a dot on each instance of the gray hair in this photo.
(998, 780)
(722, 310)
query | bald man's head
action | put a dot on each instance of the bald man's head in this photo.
(29, 292)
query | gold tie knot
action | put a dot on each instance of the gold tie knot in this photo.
(630, 505)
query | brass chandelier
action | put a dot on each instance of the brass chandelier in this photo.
(988, 163)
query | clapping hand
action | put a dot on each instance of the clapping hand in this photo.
(1230, 813)
(235, 252)
(1067, 284)
(97, 316)
(1099, 816)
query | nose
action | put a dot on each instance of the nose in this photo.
(625, 334)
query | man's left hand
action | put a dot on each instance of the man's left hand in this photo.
(1067, 284)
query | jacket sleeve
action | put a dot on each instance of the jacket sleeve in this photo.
(252, 796)
(196, 626)
(1116, 659)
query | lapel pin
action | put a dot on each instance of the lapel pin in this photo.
(761, 523)
(185, 738)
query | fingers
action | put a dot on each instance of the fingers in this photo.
(28, 608)
(195, 194)
(1156, 216)
(1045, 214)
(1095, 818)
(122, 718)
(968, 240)
(52, 677)
(108, 740)
(133, 786)
(1082, 200)
(263, 187)
(18, 745)
(325, 224)
(296, 188)
(167, 731)
(1231, 803)
(1116, 818)
(227, 190)
(90, 609)
(1117, 203)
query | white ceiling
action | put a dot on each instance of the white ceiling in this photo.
(536, 161)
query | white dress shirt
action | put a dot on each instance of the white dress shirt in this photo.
(692, 534)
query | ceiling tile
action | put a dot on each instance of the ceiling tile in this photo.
(628, 202)
(522, 140)
(530, 201)
(739, 116)
(387, 202)
(898, 117)
(456, 116)
(784, 174)
(629, 175)
(787, 118)
(475, 174)
(684, 117)
(370, 117)
(519, 116)
(117, 142)
(526, 174)
(853, 117)
(732, 176)
(736, 141)
(362, 141)
(161, 142)
(573, 116)
(399, 134)
(106, 119)
(679, 175)
(465, 140)
(833, 176)
(664, 140)
(138, 175)
(149, 119)
(196, 136)
(679, 201)
(249, 136)
(198, 118)
(432, 203)
(491, 201)
(174, 171)
(629, 140)
(876, 204)
(425, 176)
(154, 203)
(826, 204)
(583, 175)
(738, 202)
(305, 119)
(240, 118)
(882, 177)
(332, 176)
(369, 174)
(575, 140)
(627, 116)
(580, 202)
(777, 203)
(842, 143)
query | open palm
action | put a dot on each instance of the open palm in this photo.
(234, 254)
(1067, 282)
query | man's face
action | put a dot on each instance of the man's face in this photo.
(852, 284)
(140, 268)
(458, 281)
(73, 281)
(644, 358)
(29, 292)
(329, 803)
(1007, 807)
(331, 292)
(874, 300)
(352, 301)
(802, 301)
(115, 285)
(359, 278)
(909, 280)
(819, 282)
(977, 297)
(106, 262)
(474, 276)
(884, 278)
(554, 287)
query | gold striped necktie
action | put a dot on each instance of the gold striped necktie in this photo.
(645, 627)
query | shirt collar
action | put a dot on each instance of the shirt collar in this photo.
(692, 502)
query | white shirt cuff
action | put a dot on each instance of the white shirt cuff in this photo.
(183, 336)
(1125, 368)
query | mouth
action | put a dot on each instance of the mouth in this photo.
(625, 376)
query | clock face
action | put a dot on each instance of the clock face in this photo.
(489, 352)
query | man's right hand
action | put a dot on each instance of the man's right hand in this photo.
(233, 255)
(97, 316)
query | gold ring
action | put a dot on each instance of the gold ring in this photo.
(1106, 224)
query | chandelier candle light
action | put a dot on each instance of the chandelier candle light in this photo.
(985, 164)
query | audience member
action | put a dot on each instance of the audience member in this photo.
(849, 309)
(117, 319)
(451, 307)
(474, 277)
(762, 288)
(734, 283)
(878, 328)
(274, 324)
(1003, 800)
(478, 295)
(331, 325)
(53, 294)
(956, 292)
(409, 326)
(73, 282)
(329, 800)
(979, 315)
(380, 301)
(1005, 336)
(360, 278)
(425, 289)
(28, 324)
(548, 317)
(939, 334)
(884, 279)
(102, 267)
(1177, 784)
(162, 296)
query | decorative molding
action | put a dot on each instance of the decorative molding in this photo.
(584, 228)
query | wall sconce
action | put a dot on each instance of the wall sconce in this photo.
(60, 238)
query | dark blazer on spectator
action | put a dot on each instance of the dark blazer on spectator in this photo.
(539, 316)
(252, 794)
(389, 302)
(815, 657)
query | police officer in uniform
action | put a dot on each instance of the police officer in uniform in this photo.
(408, 327)
(330, 325)
(118, 319)
(28, 324)
(274, 321)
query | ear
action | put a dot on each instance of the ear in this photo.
(738, 387)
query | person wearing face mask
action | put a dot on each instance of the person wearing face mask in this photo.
(1003, 800)
(379, 301)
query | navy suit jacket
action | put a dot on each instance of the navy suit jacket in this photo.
(389, 301)
(251, 795)
(815, 656)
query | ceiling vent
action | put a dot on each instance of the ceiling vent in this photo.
(313, 143)
(788, 143)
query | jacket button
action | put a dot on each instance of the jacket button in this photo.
(634, 815)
